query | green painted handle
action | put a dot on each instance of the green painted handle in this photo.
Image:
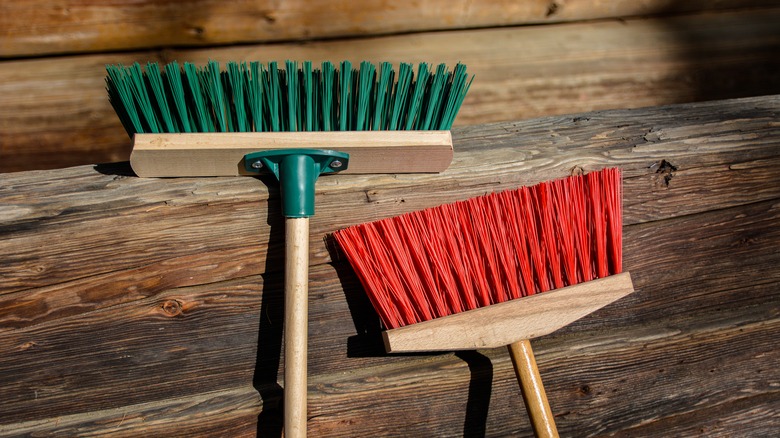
(297, 170)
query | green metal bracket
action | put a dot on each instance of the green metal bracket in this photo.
(297, 170)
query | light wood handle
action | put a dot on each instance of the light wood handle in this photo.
(532, 388)
(296, 302)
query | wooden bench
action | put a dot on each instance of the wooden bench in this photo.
(133, 306)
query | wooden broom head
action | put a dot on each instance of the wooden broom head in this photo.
(476, 273)
(222, 154)
(254, 107)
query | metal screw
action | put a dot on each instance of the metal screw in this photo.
(336, 164)
(257, 165)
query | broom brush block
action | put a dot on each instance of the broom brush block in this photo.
(505, 323)
(222, 154)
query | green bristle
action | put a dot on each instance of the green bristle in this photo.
(254, 91)
(458, 89)
(294, 118)
(155, 80)
(138, 87)
(365, 89)
(120, 97)
(258, 97)
(345, 96)
(284, 102)
(400, 94)
(416, 101)
(432, 104)
(236, 75)
(211, 81)
(203, 120)
(307, 79)
(382, 92)
(274, 99)
(176, 88)
(328, 90)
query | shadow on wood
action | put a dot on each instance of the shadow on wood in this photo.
(270, 332)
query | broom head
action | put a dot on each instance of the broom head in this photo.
(496, 269)
(251, 107)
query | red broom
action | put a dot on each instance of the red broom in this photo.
(476, 273)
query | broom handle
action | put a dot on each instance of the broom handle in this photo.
(296, 302)
(532, 388)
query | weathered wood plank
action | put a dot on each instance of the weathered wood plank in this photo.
(189, 301)
(735, 147)
(189, 257)
(55, 112)
(35, 27)
(647, 383)
(225, 413)
(173, 345)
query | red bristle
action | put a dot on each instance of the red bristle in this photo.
(613, 191)
(505, 253)
(535, 244)
(518, 241)
(546, 213)
(581, 231)
(485, 218)
(598, 223)
(413, 235)
(489, 249)
(445, 214)
(564, 209)
(470, 249)
(387, 275)
(404, 265)
(368, 268)
(441, 262)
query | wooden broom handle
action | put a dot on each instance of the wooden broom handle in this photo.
(532, 388)
(296, 303)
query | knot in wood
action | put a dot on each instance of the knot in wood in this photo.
(172, 307)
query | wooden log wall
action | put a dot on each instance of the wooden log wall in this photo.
(531, 58)
(152, 307)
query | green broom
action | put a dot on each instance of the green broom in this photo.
(204, 121)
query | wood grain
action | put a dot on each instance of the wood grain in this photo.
(55, 112)
(161, 299)
(35, 27)
(296, 325)
(532, 388)
(505, 323)
(222, 154)
(223, 413)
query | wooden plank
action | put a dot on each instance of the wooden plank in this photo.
(55, 112)
(330, 365)
(224, 413)
(35, 27)
(673, 375)
(120, 293)
(172, 345)
(36, 207)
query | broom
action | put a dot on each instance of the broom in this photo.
(204, 121)
(495, 270)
